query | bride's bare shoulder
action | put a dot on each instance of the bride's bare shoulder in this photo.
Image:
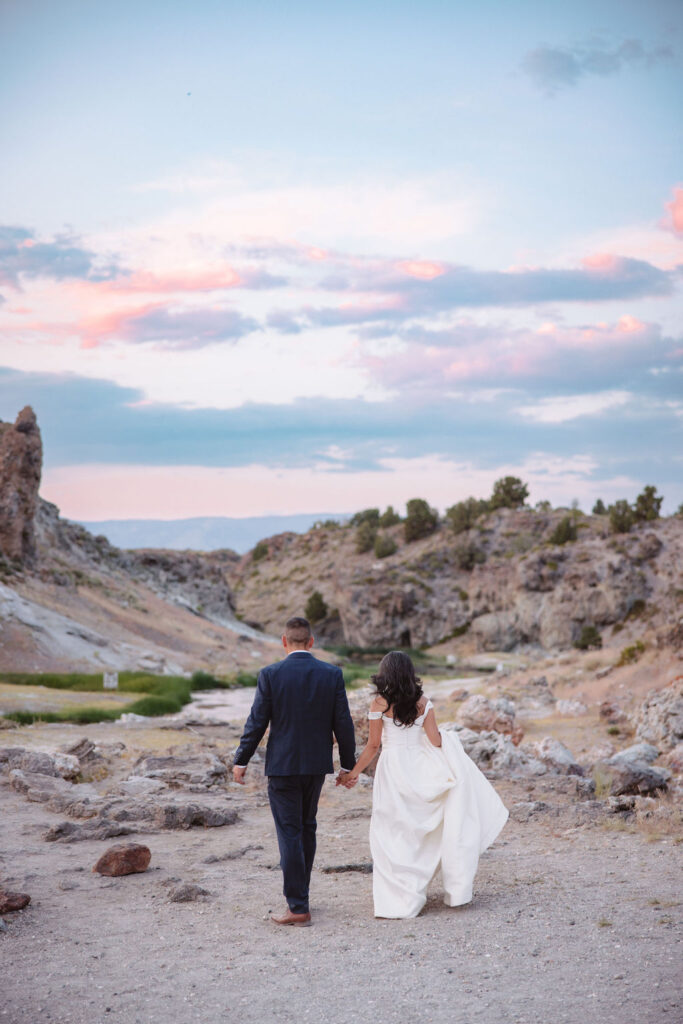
(379, 704)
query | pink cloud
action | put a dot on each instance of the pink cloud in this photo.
(498, 356)
(673, 220)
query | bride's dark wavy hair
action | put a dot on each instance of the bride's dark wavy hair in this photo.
(397, 683)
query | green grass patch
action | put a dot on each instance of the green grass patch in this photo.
(156, 695)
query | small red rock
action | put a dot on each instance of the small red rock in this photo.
(124, 859)
(10, 901)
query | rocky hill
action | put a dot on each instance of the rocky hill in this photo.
(501, 585)
(69, 599)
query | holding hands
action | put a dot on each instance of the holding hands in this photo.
(347, 779)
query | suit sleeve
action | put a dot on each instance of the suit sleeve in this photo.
(258, 720)
(343, 727)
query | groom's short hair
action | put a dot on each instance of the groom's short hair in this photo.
(297, 630)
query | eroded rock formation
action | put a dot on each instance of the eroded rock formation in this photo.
(21, 459)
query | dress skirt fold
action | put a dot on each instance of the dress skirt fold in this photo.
(431, 807)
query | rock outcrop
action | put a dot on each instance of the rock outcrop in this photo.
(660, 718)
(21, 459)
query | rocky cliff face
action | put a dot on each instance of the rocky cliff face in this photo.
(21, 458)
(501, 584)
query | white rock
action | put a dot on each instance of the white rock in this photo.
(571, 707)
(68, 766)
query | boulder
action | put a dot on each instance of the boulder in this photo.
(494, 752)
(636, 752)
(67, 765)
(11, 901)
(172, 816)
(124, 859)
(21, 458)
(70, 832)
(480, 714)
(194, 769)
(659, 719)
(557, 757)
(632, 777)
(186, 892)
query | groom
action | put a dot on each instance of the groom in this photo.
(304, 702)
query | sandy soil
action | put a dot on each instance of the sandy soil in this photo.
(572, 923)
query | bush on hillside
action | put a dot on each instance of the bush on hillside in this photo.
(421, 519)
(315, 609)
(260, 551)
(368, 515)
(621, 516)
(464, 514)
(508, 492)
(564, 532)
(389, 517)
(467, 556)
(384, 545)
(647, 505)
(365, 537)
(599, 508)
(589, 639)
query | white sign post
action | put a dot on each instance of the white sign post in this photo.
(110, 680)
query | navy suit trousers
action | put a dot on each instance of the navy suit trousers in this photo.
(294, 803)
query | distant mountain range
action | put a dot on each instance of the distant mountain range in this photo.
(204, 533)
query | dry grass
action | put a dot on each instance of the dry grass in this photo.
(660, 818)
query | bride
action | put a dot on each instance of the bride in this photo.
(431, 805)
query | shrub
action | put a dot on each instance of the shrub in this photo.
(365, 536)
(508, 492)
(202, 680)
(467, 556)
(384, 545)
(368, 515)
(564, 532)
(599, 508)
(316, 609)
(589, 639)
(621, 516)
(647, 505)
(389, 517)
(464, 514)
(243, 678)
(630, 655)
(260, 551)
(150, 706)
(544, 506)
(421, 520)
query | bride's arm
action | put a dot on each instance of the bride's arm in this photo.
(431, 728)
(369, 751)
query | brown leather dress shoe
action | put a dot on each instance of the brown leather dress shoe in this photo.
(297, 920)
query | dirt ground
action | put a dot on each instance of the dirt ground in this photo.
(570, 924)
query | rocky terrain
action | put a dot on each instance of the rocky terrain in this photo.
(518, 589)
(576, 914)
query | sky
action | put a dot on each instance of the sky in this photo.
(273, 258)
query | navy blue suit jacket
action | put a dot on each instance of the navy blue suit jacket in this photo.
(304, 702)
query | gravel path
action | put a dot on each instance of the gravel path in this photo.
(568, 926)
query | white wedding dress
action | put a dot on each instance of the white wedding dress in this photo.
(431, 807)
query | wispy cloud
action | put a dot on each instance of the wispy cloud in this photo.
(553, 68)
(562, 408)
(169, 329)
(22, 255)
(673, 219)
